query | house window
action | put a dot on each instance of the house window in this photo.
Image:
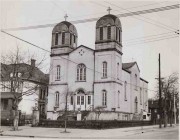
(104, 98)
(81, 72)
(118, 99)
(3, 86)
(118, 71)
(57, 99)
(109, 32)
(4, 104)
(56, 38)
(136, 81)
(82, 100)
(141, 96)
(58, 72)
(63, 38)
(104, 69)
(71, 100)
(125, 91)
(78, 100)
(101, 33)
(89, 100)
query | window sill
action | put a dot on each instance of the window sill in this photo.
(136, 89)
(81, 81)
(103, 77)
(57, 80)
(125, 100)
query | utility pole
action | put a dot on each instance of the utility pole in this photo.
(160, 99)
(174, 110)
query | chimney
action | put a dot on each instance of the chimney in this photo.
(33, 61)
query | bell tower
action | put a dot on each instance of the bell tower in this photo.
(64, 38)
(108, 56)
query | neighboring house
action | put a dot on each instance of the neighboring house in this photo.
(94, 78)
(154, 110)
(20, 79)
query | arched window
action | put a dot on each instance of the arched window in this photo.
(116, 33)
(57, 99)
(136, 105)
(118, 99)
(63, 38)
(136, 81)
(104, 69)
(109, 32)
(58, 72)
(125, 91)
(104, 98)
(56, 38)
(70, 39)
(101, 33)
(119, 35)
(141, 96)
(118, 71)
(81, 72)
(74, 39)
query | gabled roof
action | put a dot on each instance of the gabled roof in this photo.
(129, 65)
(29, 72)
(83, 47)
(143, 80)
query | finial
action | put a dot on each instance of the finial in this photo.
(109, 10)
(65, 17)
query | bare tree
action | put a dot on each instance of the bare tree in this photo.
(169, 90)
(15, 72)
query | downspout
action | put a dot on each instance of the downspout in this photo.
(93, 83)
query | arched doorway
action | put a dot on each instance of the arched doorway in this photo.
(80, 99)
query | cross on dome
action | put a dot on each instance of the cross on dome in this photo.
(109, 10)
(65, 17)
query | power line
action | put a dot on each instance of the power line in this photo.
(153, 40)
(95, 19)
(149, 18)
(144, 5)
(71, 60)
(149, 36)
(103, 12)
(159, 25)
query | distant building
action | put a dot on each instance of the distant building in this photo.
(20, 79)
(154, 110)
(97, 78)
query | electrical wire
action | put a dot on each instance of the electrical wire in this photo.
(150, 38)
(69, 59)
(159, 25)
(95, 19)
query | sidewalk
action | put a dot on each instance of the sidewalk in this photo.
(41, 132)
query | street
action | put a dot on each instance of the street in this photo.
(146, 132)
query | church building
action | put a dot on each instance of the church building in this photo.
(84, 79)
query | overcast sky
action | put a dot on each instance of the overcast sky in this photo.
(158, 26)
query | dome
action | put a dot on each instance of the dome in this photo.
(108, 20)
(65, 26)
